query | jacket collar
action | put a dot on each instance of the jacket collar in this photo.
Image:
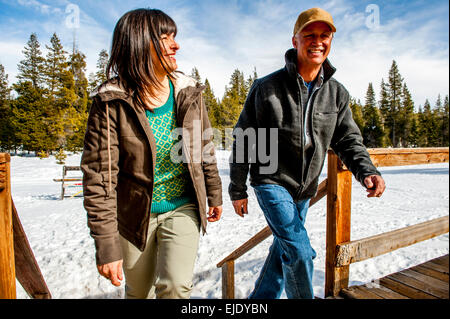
(291, 65)
(113, 89)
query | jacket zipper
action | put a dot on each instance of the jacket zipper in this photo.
(303, 127)
(311, 111)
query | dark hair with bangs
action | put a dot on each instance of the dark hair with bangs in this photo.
(135, 34)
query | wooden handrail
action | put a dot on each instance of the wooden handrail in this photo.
(408, 156)
(418, 150)
(266, 232)
(362, 249)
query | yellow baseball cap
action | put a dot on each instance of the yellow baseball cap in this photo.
(313, 15)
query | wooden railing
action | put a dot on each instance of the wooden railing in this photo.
(16, 257)
(340, 251)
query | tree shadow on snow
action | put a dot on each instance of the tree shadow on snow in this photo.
(110, 295)
(423, 171)
(47, 197)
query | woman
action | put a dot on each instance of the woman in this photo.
(145, 206)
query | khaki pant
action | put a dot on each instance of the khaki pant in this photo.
(165, 268)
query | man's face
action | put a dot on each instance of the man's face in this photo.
(313, 44)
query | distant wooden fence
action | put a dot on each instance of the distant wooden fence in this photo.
(65, 179)
(16, 257)
(340, 251)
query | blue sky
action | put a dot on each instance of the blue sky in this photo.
(219, 36)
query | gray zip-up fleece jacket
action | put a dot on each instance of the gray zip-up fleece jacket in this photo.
(278, 101)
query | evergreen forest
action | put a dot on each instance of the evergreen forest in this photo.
(45, 112)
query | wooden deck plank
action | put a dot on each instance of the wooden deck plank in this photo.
(405, 290)
(429, 281)
(387, 293)
(419, 285)
(437, 267)
(358, 292)
(431, 272)
(441, 261)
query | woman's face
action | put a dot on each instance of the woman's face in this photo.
(169, 49)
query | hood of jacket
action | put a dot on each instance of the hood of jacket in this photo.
(113, 89)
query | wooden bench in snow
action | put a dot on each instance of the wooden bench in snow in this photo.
(69, 179)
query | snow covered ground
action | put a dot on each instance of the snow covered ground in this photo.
(59, 236)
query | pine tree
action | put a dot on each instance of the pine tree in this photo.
(395, 86)
(30, 107)
(445, 123)
(196, 75)
(92, 83)
(234, 98)
(384, 110)
(232, 103)
(357, 113)
(31, 68)
(212, 104)
(102, 63)
(421, 128)
(6, 131)
(438, 117)
(30, 121)
(372, 131)
(55, 66)
(429, 129)
(406, 114)
(61, 93)
(414, 138)
(251, 79)
(79, 112)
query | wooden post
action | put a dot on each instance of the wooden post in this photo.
(338, 223)
(62, 182)
(228, 280)
(7, 268)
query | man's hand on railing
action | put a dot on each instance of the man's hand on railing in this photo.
(375, 185)
(240, 206)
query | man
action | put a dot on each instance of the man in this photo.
(310, 111)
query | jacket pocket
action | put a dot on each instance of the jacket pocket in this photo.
(324, 125)
(133, 204)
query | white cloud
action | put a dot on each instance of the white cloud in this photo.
(362, 56)
(218, 37)
(43, 8)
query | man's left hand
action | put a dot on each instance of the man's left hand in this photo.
(375, 185)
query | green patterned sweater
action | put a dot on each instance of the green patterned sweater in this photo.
(171, 180)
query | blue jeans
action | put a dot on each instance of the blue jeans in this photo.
(289, 264)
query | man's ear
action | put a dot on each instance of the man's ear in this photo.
(294, 41)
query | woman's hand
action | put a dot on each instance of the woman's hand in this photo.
(112, 271)
(214, 213)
